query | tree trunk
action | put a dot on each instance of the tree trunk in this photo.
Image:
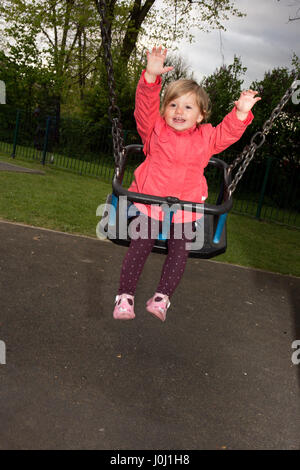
(81, 60)
(137, 16)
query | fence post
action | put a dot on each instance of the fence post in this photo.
(13, 155)
(46, 140)
(263, 189)
(125, 134)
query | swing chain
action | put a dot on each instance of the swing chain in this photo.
(114, 112)
(249, 151)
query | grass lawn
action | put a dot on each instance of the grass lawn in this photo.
(65, 201)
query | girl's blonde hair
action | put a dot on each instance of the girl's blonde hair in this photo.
(180, 87)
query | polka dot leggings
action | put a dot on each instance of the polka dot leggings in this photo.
(138, 253)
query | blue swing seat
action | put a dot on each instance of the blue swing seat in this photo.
(212, 236)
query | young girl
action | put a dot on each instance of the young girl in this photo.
(177, 148)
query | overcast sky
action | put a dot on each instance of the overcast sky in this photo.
(264, 39)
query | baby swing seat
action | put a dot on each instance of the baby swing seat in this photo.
(213, 239)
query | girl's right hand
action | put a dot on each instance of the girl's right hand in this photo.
(155, 63)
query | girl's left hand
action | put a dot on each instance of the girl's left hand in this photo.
(246, 101)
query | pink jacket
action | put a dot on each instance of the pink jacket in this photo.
(175, 161)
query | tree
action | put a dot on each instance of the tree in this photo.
(181, 70)
(25, 84)
(62, 37)
(283, 139)
(135, 21)
(54, 33)
(223, 88)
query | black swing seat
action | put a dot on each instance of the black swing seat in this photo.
(209, 241)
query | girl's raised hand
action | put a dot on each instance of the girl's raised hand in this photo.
(155, 63)
(246, 101)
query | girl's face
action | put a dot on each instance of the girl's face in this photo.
(183, 112)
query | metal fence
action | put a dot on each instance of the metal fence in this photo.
(268, 191)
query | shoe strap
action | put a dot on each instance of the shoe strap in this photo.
(125, 297)
(165, 299)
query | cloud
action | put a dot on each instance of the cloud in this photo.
(264, 39)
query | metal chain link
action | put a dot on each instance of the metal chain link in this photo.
(249, 151)
(114, 112)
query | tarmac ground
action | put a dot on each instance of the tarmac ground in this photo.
(218, 374)
(19, 169)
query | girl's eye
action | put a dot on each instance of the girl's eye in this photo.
(188, 107)
(173, 105)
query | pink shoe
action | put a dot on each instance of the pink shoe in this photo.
(158, 305)
(124, 307)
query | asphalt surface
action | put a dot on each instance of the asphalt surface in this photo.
(217, 375)
(17, 168)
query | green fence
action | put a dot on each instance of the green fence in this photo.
(268, 191)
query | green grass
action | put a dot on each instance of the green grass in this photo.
(64, 201)
(59, 200)
(262, 245)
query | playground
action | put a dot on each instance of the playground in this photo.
(217, 375)
(91, 114)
